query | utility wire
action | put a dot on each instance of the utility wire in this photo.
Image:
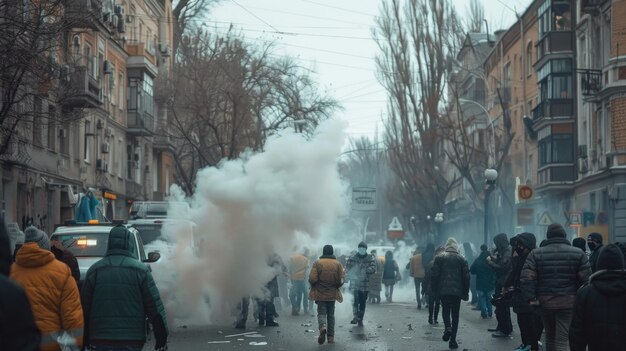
(255, 16)
(339, 8)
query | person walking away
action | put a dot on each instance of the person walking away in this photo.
(17, 325)
(391, 275)
(298, 265)
(470, 257)
(433, 299)
(451, 280)
(580, 243)
(267, 309)
(485, 282)
(118, 295)
(528, 318)
(594, 241)
(599, 320)
(550, 278)
(416, 269)
(51, 291)
(376, 279)
(501, 265)
(360, 267)
(326, 279)
(65, 256)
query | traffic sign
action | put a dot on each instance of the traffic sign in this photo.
(525, 192)
(545, 219)
(364, 199)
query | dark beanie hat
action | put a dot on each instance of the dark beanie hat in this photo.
(528, 240)
(580, 243)
(555, 230)
(597, 237)
(610, 257)
(327, 250)
(363, 244)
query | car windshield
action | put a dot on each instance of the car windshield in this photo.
(148, 232)
(85, 245)
(157, 209)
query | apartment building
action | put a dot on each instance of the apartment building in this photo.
(98, 121)
(600, 191)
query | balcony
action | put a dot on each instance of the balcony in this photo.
(554, 42)
(83, 91)
(139, 57)
(83, 13)
(557, 176)
(140, 123)
(591, 81)
(591, 6)
(555, 108)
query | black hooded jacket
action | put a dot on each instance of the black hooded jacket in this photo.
(17, 325)
(513, 282)
(599, 319)
(502, 263)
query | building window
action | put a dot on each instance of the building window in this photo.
(555, 15)
(64, 139)
(147, 90)
(529, 59)
(52, 129)
(555, 80)
(120, 91)
(37, 121)
(87, 141)
(556, 148)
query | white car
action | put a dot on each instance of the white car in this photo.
(89, 242)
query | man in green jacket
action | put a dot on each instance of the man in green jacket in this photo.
(118, 293)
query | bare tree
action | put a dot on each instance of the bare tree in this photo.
(35, 66)
(476, 16)
(227, 96)
(417, 39)
(185, 13)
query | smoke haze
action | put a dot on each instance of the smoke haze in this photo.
(244, 211)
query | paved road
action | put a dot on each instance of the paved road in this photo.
(395, 326)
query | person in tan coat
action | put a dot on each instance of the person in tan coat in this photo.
(416, 267)
(326, 278)
(51, 290)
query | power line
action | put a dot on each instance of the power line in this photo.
(301, 34)
(255, 16)
(340, 8)
(307, 16)
(284, 26)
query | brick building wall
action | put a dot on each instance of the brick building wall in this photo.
(618, 123)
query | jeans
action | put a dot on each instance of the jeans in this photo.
(450, 306)
(104, 347)
(358, 306)
(433, 307)
(484, 302)
(530, 327)
(503, 315)
(326, 316)
(556, 324)
(297, 295)
(418, 295)
(389, 292)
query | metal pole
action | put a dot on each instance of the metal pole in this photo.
(486, 226)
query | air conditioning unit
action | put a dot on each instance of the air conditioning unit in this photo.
(99, 164)
(583, 166)
(164, 49)
(106, 148)
(115, 20)
(582, 151)
(130, 19)
(108, 132)
(62, 133)
(108, 69)
(121, 25)
(119, 9)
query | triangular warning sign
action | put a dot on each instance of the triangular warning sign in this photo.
(545, 219)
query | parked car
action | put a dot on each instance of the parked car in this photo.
(154, 209)
(89, 241)
(155, 239)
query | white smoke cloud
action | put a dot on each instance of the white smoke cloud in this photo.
(244, 211)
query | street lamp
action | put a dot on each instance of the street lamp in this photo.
(490, 184)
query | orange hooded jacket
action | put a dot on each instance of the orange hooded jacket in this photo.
(52, 293)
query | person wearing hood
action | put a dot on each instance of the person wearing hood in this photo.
(360, 267)
(51, 290)
(118, 294)
(17, 325)
(485, 282)
(550, 279)
(580, 243)
(326, 279)
(501, 265)
(528, 318)
(599, 320)
(451, 282)
(66, 256)
(594, 241)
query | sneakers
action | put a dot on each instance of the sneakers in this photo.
(453, 345)
(360, 323)
(271, 324)
(446, 334)
(523, 347)
(354, 321)
(322, 338)
(500, 334)
(430, 321)
(331, 339)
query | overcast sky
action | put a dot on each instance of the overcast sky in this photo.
(333, 38)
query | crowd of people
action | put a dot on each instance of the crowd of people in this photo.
(41, 307)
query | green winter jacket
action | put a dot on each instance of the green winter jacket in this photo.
(119, 293)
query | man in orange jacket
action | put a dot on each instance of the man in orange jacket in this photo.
(51, 290)
(416, 267)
